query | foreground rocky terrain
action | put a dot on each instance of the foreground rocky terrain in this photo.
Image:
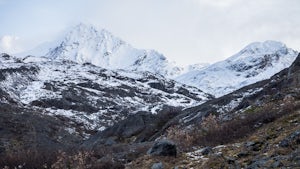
(273, 145)
(261, 131)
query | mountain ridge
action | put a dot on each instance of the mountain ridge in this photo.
(87, 44)
(257, 61)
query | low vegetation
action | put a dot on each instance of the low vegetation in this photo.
(58, 160)
(269, 141)
(213, 132)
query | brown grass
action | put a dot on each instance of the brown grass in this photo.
(211, 132)
(57, 160)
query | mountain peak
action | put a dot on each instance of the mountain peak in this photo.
(85, 43)
(266, 47)
(88, 30)
(273, 50)
(257, 61)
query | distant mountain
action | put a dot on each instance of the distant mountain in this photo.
(257, 61)
(87, 44)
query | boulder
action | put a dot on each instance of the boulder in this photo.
(157, 166)
(163, 148)
(206, 150)
(292, 139)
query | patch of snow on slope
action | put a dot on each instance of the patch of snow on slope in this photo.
(88, 96)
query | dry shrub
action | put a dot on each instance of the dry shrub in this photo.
(27, 159)
(244, 125)
(57, 160)
(86, 160)
(109, 163)
(210, 122)
(186, 138)
(181, 137)
(81, 160)
(212, 132)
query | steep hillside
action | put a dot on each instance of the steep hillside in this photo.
(86, 97)
(274, 144)
(278, 87)
(254, 127)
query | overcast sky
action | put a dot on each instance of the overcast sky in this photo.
(186, 31)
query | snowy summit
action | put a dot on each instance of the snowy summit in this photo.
(87, 44)
(257, 61)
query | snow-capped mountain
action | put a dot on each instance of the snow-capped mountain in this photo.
(257, 61)
(87, 97)
(87, 44)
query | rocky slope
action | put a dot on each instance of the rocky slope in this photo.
(256, 62)
(274, 145)
(278, 87)
(86, 97)
(282, 86)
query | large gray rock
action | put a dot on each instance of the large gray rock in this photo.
(163, 148)
(293, 138)
(157, 166)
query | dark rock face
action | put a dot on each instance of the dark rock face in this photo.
(254, 146)
(139, 127)
(21, 71)
(163, 148)
(292, 139)
(22, 129)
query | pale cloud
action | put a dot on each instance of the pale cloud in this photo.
(10, 44)
(217, 3)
